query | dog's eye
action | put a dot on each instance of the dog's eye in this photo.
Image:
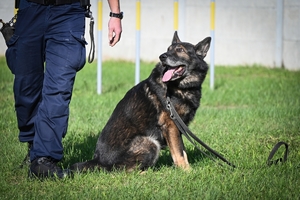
(179, 50)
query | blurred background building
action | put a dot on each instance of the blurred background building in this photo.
(246, 32)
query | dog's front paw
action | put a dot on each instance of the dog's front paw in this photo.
(183, 162)
(186, 167)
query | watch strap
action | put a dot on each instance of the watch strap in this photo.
(117, 15)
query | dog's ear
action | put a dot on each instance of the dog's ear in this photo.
(202, 47)
(175, 38)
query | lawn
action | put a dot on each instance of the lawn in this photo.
(248, 112)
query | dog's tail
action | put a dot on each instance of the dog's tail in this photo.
(88, 165)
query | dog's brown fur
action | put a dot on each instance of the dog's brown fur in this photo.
(140, 126)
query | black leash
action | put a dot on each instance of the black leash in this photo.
(188, 134)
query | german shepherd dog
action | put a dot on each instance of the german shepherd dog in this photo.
(140, 125)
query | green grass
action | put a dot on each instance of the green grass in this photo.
(250, 110)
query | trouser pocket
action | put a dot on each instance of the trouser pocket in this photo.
(11, 53)
(79, 51)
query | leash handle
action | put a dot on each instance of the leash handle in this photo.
(89, 14)
(274, 150)
(92, 49)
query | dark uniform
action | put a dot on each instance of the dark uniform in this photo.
(44, 54)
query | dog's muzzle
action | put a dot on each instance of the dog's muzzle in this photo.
(163, 57)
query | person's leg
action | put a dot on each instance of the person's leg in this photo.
(65, 55)
(25, 59)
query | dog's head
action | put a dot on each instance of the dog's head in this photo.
(183, 59)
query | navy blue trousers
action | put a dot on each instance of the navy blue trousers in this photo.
(44, 54)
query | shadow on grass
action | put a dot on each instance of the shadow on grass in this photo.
(83, 151)
(80, 151)
(194, 156)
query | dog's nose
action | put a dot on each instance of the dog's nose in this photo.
(163, 57)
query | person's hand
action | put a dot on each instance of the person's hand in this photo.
(114, 30)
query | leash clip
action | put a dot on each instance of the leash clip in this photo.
(8, 28)
(170, 108)
(88, 13)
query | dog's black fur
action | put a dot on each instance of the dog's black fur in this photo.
(140, 126)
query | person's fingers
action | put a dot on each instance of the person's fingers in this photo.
(110, 36)
(114, 31)
(116, 38)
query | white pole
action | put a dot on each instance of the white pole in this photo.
(137, 42)
(279, 33)
(181, 19)
(212, 45)
(176, 15)
(99, 55)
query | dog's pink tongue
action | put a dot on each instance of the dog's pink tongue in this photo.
(168, 75)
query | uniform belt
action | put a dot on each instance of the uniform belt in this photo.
(54, 2)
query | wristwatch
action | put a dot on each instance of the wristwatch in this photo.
(117, 15)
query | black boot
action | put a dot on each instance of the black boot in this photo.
(46, 167)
